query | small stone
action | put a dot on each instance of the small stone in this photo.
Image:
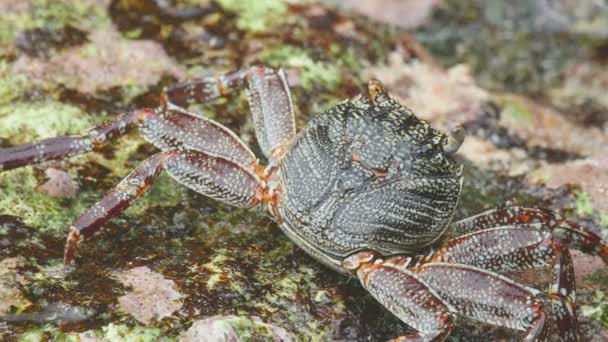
(230, 328)
(60, 184)
(152, 297)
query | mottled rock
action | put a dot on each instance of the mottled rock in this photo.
(59, 184)
(107, 61)
(234, 329)
(591, 174)
(10, 281)
(152, 296)
(445, 97)
(402, 13)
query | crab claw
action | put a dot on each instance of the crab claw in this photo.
(454, 140)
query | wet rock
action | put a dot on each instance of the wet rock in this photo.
(405, 14)
(52, 313)
(60, 184)
(582, 95)
(152, 296)
(107, 61)
(590, 174)
(445, 97)
(543, 126)
(234, 329)
(10, 281)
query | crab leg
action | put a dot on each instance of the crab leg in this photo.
(426, 295)
(63, 147)
(269, 99)
(175, 128)
(569, 233)
(507, 249)
(209, 175)
(486, 297)
(405, 296)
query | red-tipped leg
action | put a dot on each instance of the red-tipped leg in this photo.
(113, 203)
(569, 233)
(508, 249)
(209, 175)
(486, 297)
(64, 147)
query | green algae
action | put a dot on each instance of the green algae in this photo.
(120, 332)
(517, 112)
(598, 308)
(256, 16)
(23, 122)
(314, 73)
(248, 329)
(583, 203)
(11, 85)
(51, 15)
(18, 197)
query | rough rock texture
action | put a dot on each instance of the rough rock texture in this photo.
(525, 78)
(152, 297)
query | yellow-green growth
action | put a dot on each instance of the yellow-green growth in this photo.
(313, 73)
(18, 197)
(583, 203)
(25, 122)
(11, 86)
(46, 333)
(256, 16)
(598, 309)
(120, 332)
(51, 15)
(517, 112)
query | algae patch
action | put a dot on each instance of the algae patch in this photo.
(23, 123)
(256, 16)
(313, 73)
(50, 15)
(18, 197)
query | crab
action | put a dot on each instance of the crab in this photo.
(367, 189)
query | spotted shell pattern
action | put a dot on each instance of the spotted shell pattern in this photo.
(367, 174)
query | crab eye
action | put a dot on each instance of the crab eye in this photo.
(454, 140)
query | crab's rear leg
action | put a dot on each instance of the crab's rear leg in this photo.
(521, 246)
(63, 147)
(569, 233)
(269, 99)
(427, 296)
(487, 297)
(213, 176)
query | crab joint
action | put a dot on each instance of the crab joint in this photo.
(454, 140)
(359, 259)
(71, 246)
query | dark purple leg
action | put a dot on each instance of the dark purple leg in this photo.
(486, 296)
(113, 203)
(519, 247)
(269, 99)
(213, 176)
(569, 233)
(409, 299)
(63, 147)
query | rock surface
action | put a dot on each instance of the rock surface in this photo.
(176, 265)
